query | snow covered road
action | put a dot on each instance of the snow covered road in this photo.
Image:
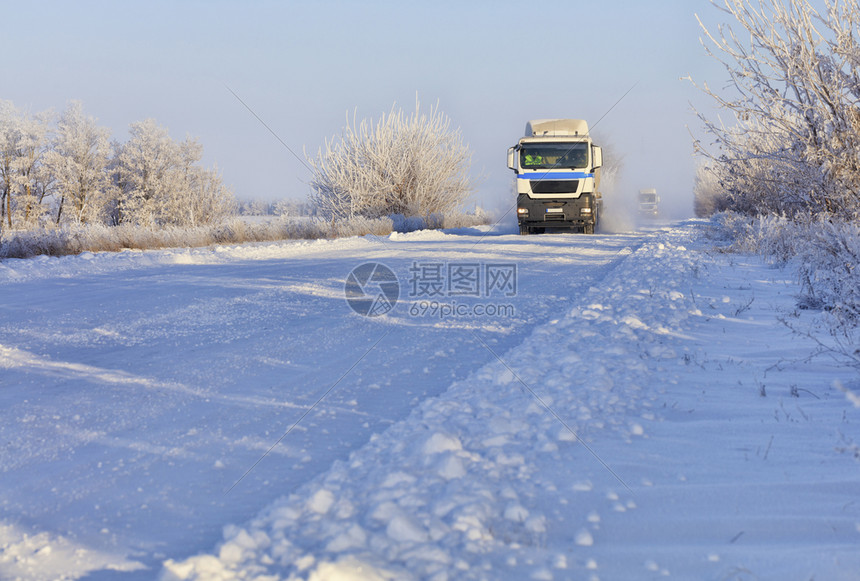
(139, 388)
(632, 414)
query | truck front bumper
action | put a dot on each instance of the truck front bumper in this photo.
(556, 212)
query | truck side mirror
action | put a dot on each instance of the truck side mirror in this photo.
(512, 151)
(596, 157)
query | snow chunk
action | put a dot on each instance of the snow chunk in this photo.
(321, 501)
(439, 442)
(504, 377)
(516, 512)
(353, 538)
(349, 569)
(634, 322)
(201, 566)
(395, 479)
(404, 528)
(583, 538)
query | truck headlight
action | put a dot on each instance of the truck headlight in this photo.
(522, 211)
(585, 211)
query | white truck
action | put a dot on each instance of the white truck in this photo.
(557, 173)
(648, 202)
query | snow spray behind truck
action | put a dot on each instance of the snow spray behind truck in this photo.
(557, 170)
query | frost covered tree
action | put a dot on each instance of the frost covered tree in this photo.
(199, 195)
(411, 164)
(75, 174)
(292, 208)
(256, 208)
(9, 121)
(160, 182)
(24, 184)
(795, 89)
(78, 161)
(143, 168)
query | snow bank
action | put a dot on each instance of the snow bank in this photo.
(77, 239)
(824, 251)
(88, 263)
(44, 266)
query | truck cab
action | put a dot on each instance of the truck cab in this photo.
(557, 175)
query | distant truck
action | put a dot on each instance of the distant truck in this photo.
(649, 202)
(557, 170)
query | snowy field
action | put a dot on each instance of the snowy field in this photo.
(631, 409)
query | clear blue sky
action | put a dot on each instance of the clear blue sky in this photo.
(301, 66)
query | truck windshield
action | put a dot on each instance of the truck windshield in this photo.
(554, 156)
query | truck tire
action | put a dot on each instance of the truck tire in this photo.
(525, 230)
(591, 228)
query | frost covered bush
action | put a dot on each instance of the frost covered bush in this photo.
(829, 268)
(438, 220)
(463, 219)
(775, 237)
(359, 226)
(413, 165)
(795, 148)
(825, 253)
(828, 263)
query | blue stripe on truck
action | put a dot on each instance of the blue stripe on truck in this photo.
(555, 175)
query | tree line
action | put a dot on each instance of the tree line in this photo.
(66, 170)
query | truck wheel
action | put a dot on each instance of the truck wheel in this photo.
(589, 229)
(525, 230)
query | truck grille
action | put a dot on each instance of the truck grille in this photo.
(554, 186)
